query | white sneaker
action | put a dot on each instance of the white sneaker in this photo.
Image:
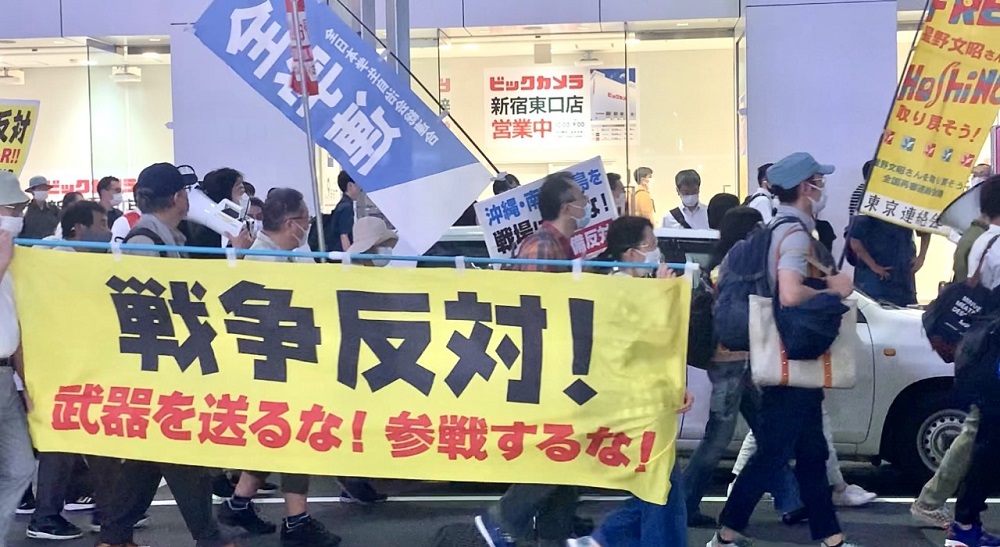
(738, 541)
(853, 496)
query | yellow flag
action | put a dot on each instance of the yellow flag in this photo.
(17, 127)
(947, 101)
(376, 372)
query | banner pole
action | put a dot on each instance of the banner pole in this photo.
(307, 114)
(881, 137)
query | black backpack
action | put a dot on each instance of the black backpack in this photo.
(702, 342)
(977, 358)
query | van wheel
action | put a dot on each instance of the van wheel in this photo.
(926, 432)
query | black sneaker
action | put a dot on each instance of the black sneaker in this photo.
(27, 506)
(55, 528)
(267, 489)
(310, 533)
(699, 520)
(222, 487)
(246, 518)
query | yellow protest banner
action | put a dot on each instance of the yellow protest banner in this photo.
(947, 101)
(17, 127)
(375, 372)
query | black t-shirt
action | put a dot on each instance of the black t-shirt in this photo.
(341, 223)
(113, 215)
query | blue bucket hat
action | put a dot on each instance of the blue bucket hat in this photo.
(795, 169)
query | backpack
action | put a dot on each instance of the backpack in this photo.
(977, 364)
(743, 273)
(949, 316)
(702, 342)
(146, 232)
(752, 197)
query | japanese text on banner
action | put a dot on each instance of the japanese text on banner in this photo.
(17, 127)
(511, 217)
(947, 101)
(377, 372)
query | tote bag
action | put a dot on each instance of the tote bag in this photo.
(770, 365)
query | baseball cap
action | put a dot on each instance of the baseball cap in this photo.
(10, 190)
(38, 181)
(795, 169)
(161, 180)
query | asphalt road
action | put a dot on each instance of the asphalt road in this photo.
(418, 509)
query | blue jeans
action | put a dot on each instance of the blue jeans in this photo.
(639, 523)
(791, 426)
(733, 393)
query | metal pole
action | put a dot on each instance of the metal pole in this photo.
(310, 146)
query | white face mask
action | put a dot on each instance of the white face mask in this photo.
(302, 240)
(653, 257)
(116, 199)
(819, 203)
(384, 251)
(12, 225)
(690, 201)
(41, 195)
(620, 202)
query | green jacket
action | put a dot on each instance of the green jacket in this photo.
(964, 247)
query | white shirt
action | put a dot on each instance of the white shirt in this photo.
(763, 202)
(120, 229)
(10, 330)
(265, 243)
(991, 267)
(697, 219)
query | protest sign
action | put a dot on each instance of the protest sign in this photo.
(509, 218)
(946, 103)
(17, 127)
(372, 372)
(539, 105)
(396, 148)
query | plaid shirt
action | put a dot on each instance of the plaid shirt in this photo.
(545, 244)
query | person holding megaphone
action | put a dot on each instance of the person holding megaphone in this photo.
(218, 214)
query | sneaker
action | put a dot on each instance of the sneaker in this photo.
(845, 543)
(129, 544)
(738, 541)
(27, 506)
(310, 533)
(492, 532)
(853, 496)
(55, 528)
(698, 520)
(361, 491)
(83, 503)
(585, 541)
(95, 523)
(222, 488)
(246, 518)
(938, 517)
(957, 537)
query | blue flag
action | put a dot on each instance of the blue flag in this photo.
(396, 148)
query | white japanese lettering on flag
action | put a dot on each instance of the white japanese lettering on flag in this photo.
(362, 137)
(328, 94)
(263, 41)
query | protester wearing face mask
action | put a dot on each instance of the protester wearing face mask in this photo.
(221, 184)
(887, 259)
(15, 450)
(285, 226)
(373, 237)
(41, 217)
(109, 195)
(692, 214)
(84, 221)
(636, 522)
(642, 200)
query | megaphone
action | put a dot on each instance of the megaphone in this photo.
(960, 214)
(222, 218)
